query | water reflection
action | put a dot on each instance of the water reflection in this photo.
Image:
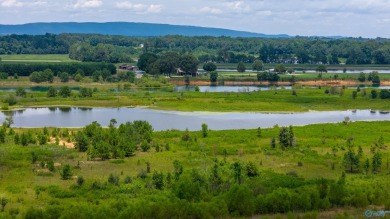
(163, 120)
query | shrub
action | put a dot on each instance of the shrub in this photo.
(66, 172)
(80, 180)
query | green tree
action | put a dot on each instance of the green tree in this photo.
(284, 138)
(375, 77)
(210, 66)
(78, 77)
(240, 200)
(258, 132)
(80, 180)
(362, 77)
(66, 172)
(354, 94)
(251, 169)
(145, 60)
(188, 63)
(178, 169)
(257, 65)
(322, 68)
(205, 130)
(374, 94)
(280, 69)
(4, 202)
(367, 165)
(237, 172)
(351, 161)
(21, 92)
(52, 92)
(85, 92)
(241, 67)
(82, 141)
(158, 180)
(337, 192)
(376, 162)
(64, 76)
(65, 91)
(213, 76)
(2, 135)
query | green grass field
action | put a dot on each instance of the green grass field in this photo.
(36, 58)
(318, 154)
(260, 101)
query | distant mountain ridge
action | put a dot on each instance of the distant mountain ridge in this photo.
(126, 29)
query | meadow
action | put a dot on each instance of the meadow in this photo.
(300, 99)
(179, 167)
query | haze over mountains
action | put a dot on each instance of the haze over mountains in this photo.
(126, 29)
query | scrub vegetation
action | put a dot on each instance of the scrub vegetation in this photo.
(308, 171)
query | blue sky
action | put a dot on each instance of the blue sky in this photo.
(366, 18)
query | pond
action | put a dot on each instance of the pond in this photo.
(229, 88)
(163, 120)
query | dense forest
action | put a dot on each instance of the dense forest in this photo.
(93, 47)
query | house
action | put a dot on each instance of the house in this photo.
(180, 72)
(128, 67)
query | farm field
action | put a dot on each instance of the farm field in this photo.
(54, 58)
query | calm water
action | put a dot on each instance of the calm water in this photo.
(228, 88)
(163, 120)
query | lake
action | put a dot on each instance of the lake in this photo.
(163, 120)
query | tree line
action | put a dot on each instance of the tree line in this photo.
(94, 47)
(87, 69)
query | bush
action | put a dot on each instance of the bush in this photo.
(65, 91)
(3, 75)
(213, 76)
(80, 180)
(66, 172)
(64, 77)
(21, 92)
(374, 94)
(52, 92)
(86, 92)
(114, 180)
(10, 100)
(240, 200)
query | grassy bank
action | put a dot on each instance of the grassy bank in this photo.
(292, 175)
(297, 100)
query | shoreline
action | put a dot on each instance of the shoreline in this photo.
(281, 83)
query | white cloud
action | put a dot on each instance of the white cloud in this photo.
(11, 3)
(238, 6)
(211, 10)
(88, 4)
(143, 8)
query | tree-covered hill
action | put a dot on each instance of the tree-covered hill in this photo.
(124, 29)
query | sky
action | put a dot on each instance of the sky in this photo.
(355, 18)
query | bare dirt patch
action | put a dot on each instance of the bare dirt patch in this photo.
(70, 145)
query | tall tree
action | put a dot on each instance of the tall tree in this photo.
(257, 65)
(241, 67)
